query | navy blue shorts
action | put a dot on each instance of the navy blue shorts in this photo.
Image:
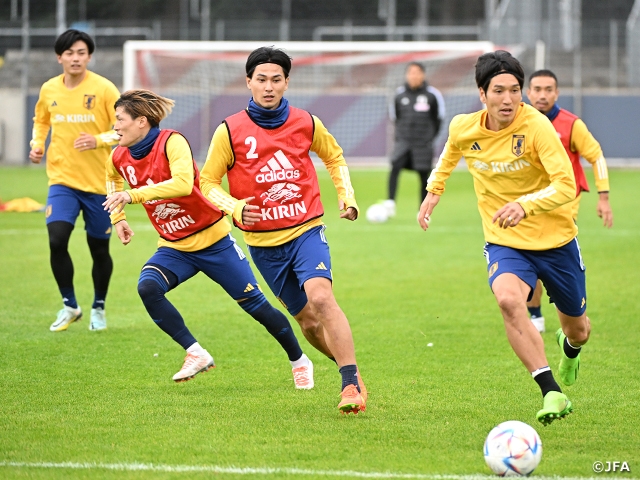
(561, 270)
(64, 205)
(224, 262)
(286, 267)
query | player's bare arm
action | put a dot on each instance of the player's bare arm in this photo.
(509, 215)
(116, 202)
(426, 209)
(124, 232)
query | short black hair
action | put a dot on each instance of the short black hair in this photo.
(71, 36)
(268, 55)
(543, 73)
(415, 64)
(495, 63)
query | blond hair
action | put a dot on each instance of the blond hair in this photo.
(145, 103)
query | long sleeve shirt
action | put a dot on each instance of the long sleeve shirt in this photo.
(524, 163)
(220, 159)
(180, 184)
(87, 108)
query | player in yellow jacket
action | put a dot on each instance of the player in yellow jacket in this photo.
(275, 200)
(78, 107)
(524, 184)
(578, 142)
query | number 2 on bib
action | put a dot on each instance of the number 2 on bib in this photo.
(252, 150)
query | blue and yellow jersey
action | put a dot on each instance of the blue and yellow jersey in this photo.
(583, 142)
(524, 163)
(87, 108)
(220, 158)
(180, 184)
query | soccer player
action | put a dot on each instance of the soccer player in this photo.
(194, 235)
(418, 111)
(275, 200)
(524, 184)
(78, 108)
(577, 141)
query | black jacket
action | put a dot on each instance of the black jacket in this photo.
(417, 113)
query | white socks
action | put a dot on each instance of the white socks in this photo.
(537, 372)
(196, 350)
(303, 361)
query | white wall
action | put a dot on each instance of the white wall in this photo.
(13, 146)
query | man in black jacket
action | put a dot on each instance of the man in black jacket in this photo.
(418, 112)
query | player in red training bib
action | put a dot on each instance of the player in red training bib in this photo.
(194, 235)
(274, 198)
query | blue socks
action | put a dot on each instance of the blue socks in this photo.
(69, 297)
(152, 288)
(349, 376)
(535, 311)
(276, 324)
(99, 299)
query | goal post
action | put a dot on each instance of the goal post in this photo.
(348, 85)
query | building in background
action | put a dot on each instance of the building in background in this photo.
(594, 46)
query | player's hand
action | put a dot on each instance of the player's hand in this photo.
(85, 142)
(604, 210)
(124, 232)
(249, 214)
(36, 155)
(428, 204)
(509, 215)
(116, 202)
(350, 213)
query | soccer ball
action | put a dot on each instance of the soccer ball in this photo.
(512, 449)
(377, 213)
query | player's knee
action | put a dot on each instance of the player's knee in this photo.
(579, 332)
(59, 234)
(57, 244)
(321, 302)
(58, 241)
(508, 301)
(150, 290)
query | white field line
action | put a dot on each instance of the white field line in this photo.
(43, 231)
(253, 471)
(362, 227)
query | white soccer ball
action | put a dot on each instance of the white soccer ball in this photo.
(513, 449)
(377, 213)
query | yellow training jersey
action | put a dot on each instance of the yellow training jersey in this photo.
(87, 108)
(220, 158)
(583, 142)
(524, 163)
(181, 184)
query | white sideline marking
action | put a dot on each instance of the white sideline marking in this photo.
(43, 231)
(255, 471)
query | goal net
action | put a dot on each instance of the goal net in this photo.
(348, 85)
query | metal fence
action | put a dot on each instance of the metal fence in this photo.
(633, 45)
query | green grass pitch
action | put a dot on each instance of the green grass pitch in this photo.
(104, 403)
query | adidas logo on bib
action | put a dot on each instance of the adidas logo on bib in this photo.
(277, 169)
